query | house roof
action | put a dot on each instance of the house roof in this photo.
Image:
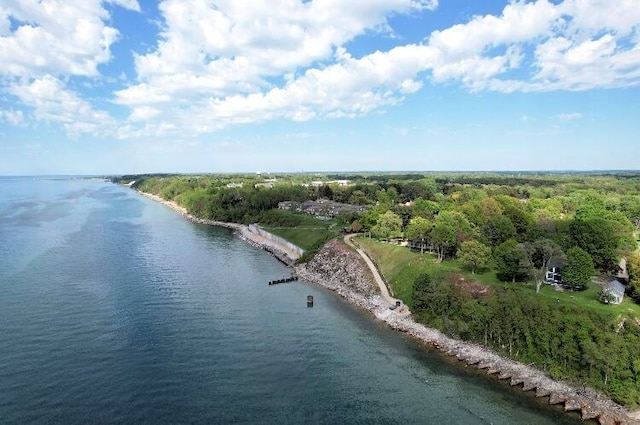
(615, 287)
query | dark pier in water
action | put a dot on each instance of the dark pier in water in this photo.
(284, 280)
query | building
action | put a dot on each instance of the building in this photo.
(553, 276)
(322, 208)
(613, 292)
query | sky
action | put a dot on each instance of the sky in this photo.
(188, 86)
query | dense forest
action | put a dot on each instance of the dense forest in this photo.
(513, 226)
(587, 346)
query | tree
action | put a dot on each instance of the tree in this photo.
(498, 229)
(478, 212)
(389, 225)
(512, 262)
(578, 268)
(633, 268)
(419, 229)
(422, 291)
(474, 255)
(597, 237)
(368, 219)
(606, 296)
(521, 219)
(630, 206)
(325, 191)
(404, 212)
(358, 197)
(356, 227)
(425, 208)
(387, 197)
(606, 235)
(542, 253)
(451, 228)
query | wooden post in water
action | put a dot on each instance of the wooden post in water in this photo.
(309, 300)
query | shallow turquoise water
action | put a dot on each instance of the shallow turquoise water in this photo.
(114, 309)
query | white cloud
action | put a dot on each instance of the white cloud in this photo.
(52, 102)
(577, 45)
(55, 37)
(127, 4)
(216, 62)
(219, 63)
(520, 22)
(50, 41)
(570, 116)
(13, 117)
(349, 88)
(225, 48)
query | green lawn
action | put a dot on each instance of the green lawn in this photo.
(303, 236)
(400, 266)
(302, 230)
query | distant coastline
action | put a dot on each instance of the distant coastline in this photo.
(338, 268)
(282, 251)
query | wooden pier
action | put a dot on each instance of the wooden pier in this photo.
(283, 280)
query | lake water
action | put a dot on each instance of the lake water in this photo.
(116, 310)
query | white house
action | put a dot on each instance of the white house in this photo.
(615, 290)
(553, 276)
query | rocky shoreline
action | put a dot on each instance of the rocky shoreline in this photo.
(341, 270)
(280, 251)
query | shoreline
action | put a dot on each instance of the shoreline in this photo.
(352, 280)
(586, 402)
(249, 234)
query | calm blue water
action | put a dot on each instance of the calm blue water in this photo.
(115, 310)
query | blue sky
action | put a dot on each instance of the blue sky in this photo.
(126, 86)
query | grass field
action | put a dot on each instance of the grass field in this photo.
(400, 266)
(303, 236)
(302, 230)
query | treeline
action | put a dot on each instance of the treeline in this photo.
(568, 342)
(574, 225)
(517, 224)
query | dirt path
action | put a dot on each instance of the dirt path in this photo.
(384, 291)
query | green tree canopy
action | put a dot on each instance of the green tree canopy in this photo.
(578, 268)
(474, 255)
(389, 225)
(598, 237)
(419, 229)
(368, 219)
(517, 212)
(497, 230)
(358, 197)
(450, 229)
(633, 268)
(422, 291)
(479, 211)
(425, 208)
(512, 262)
